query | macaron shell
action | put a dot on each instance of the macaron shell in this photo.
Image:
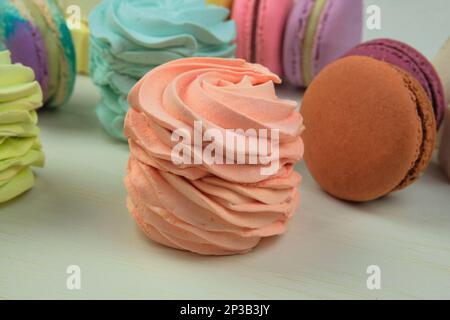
(293, 39)
(242, 14)
(24, 41)
(60, 50)
(364, 131)
(67, 55)
(413, 62)
(48, 48)
(271, 24)
(339, 30)
(51, 46)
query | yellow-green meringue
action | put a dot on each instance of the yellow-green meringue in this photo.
(20, 147)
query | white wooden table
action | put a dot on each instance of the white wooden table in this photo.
(76, 215)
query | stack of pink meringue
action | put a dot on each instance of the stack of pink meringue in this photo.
(209, 207)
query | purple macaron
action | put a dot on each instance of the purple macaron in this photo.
(26, 45)
(317, 33)
(409, 59)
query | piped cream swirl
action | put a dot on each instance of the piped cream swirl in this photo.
(214, 209)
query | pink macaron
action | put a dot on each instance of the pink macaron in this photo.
(317, 33)
(260, 31)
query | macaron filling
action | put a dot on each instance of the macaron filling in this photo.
(426, 147)
(308, 41)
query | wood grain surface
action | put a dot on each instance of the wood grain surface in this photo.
(76, 215)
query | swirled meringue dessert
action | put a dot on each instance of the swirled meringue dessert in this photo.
(20, 148)
(124, 49)
(212, 159)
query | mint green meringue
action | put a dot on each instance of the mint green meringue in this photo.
(129, 38)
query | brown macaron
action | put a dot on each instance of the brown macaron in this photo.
(370, 128)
